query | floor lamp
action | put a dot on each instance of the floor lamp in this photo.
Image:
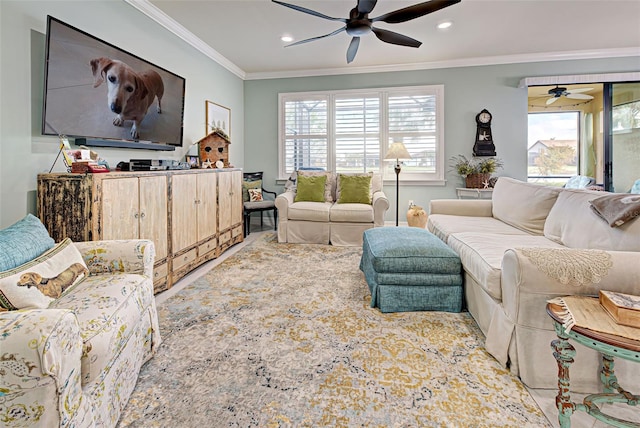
(397, 152)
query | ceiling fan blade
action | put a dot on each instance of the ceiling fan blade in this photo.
(579, 96)
(552, 100)
(395, 38)
(576, 91)
(340, 30)
(415, 11)
(366, 6)
(309, 11)
(353, 48)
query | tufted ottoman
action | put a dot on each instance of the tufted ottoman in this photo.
(410, 269)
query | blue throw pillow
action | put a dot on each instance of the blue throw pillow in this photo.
(23, 241)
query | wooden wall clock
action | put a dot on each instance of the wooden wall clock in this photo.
(484, 139)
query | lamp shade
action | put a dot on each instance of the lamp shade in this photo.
(397, 151)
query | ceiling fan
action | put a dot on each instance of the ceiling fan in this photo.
(576, 94)
(359, 24)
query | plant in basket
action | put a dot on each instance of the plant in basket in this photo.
(475, 171)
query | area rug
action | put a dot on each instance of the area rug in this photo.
(283, 335)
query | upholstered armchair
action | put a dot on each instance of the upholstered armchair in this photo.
(73, 360)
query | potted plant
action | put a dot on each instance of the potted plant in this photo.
(475, 171)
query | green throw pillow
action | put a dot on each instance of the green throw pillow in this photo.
(310, 188)
(354, 189)
(246, 185)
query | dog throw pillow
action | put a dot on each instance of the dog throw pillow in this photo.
(39, 282)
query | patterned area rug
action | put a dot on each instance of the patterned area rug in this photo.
(283, 335)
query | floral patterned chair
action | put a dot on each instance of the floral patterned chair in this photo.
(75, 362)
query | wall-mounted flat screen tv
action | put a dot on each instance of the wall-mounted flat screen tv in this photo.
(105, 96)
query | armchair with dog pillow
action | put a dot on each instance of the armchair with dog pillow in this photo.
(77, 322)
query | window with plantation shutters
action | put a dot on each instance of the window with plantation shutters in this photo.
(305, 133)
(357, 133)
(350, 131)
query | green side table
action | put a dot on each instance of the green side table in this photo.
(609, 346)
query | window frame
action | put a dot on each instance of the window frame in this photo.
(385, 167)
(579, 117)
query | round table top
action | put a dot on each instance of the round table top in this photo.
(554, 312)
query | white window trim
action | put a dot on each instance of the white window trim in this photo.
(436, 178)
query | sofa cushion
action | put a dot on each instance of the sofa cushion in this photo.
(443, 225)
(481, 255)
(574, 224)
(310, 189)
(329, 186)
(354, 189)
(108, 308)
(523, 205)
(249, 184)
(23, 241)
(37, 283)
(355, 174)
(351, 213)
(310, 211)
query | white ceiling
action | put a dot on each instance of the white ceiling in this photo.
(244, 35)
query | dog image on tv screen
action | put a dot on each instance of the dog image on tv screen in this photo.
(96, 90)
(129, 94)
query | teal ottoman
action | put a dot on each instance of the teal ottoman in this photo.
(410, 269)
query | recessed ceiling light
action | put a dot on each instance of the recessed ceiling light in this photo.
(286, 38)
(444, 24)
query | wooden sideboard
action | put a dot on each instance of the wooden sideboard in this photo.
(192, 216)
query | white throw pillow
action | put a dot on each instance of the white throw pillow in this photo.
(37, 283)
(523, 205)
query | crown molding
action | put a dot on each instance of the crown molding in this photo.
(170, 24)
(465, 62)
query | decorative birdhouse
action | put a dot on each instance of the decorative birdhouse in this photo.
(215, 147)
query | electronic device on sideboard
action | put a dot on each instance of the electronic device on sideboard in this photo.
(78, 69)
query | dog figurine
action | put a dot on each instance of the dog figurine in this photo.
(53, 287)
(129, 94)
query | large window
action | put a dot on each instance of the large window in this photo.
(350, 131)
(553, 150)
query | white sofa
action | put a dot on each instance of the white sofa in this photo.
(76, 362)
(329, 222)
(509, 250)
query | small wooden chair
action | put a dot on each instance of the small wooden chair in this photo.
(268, 202)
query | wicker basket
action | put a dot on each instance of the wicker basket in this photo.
(477, 181)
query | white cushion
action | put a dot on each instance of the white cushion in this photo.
(443, 225)
(523, 205)
(310, 211)
(481, 255)
(573, 223)
(351, 213)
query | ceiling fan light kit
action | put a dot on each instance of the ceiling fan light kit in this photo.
(359, 24)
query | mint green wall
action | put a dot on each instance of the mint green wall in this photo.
(467, 90)
(24, 152)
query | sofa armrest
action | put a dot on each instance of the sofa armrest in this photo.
(41, 352)
(283, 200)
(464, 207)
(380, 205)
(531, 276)
(118, 256)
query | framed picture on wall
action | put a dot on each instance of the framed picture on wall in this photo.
(218, 117)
